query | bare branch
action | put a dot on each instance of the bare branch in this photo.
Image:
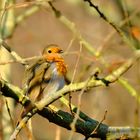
(6, 88)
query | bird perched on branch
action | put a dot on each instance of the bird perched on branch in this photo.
(45, 76)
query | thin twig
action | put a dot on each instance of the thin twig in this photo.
(71, 26)
(102, 15)
(9, 112)
(120, 32)
(104, 117)
(21, 125)
(78, 108)
(109, 36)
(74, 74)
(19, 61)
(13, 53)
(96, 128)
(2, 16)
(70, 44)
(24, 4)
(58, 133)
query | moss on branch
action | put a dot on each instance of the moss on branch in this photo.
(85, 125)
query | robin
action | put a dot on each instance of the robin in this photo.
(45, 76)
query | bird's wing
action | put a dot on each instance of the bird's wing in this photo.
(34, 75)
(33, 79)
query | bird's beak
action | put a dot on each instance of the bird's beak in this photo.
(61, 51)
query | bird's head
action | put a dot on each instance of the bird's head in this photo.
(52, 53)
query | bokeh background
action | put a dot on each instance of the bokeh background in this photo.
(42, 28)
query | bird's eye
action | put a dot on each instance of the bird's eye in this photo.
(49, 51)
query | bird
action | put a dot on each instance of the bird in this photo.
(45, 76)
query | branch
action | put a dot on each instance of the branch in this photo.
(92, 83)
(123, 133)
(13, 53)
(72, 27)
(14, 92)
(120, 32)
(84, 126)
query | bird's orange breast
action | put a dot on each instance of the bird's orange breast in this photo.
(61, 68)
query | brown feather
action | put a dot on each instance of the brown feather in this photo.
(45, 76)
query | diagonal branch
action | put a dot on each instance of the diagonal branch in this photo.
(125, 38)
(92, 83)
(84, 126)
(14, 92)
